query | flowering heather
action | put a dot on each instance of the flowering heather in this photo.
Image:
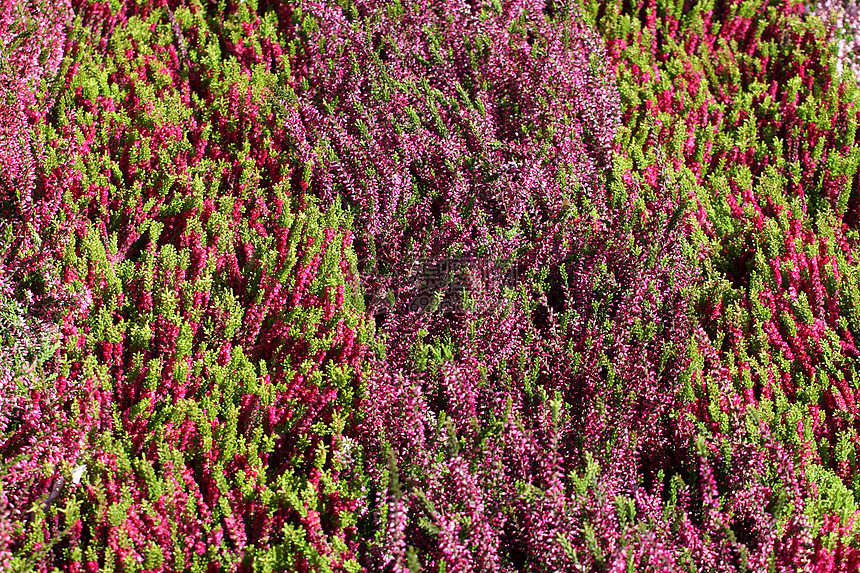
(446, 136)
(32, 35)
(842, 20)
(607, 309)
(35, 427)
(218, 326)
(745, 102)
(428, 286)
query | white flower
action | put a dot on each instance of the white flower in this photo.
(343, 455)
(78, 473)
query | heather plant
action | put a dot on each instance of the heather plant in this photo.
(199, 194)
(39, 433)
(481, 421)
(218, 330)
(745, 102)
(32, 34)
(440, 125)
(843, 24)
(558, 423)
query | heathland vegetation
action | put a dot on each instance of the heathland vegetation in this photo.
(429, 285)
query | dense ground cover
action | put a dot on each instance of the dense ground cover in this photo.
(439, 286)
